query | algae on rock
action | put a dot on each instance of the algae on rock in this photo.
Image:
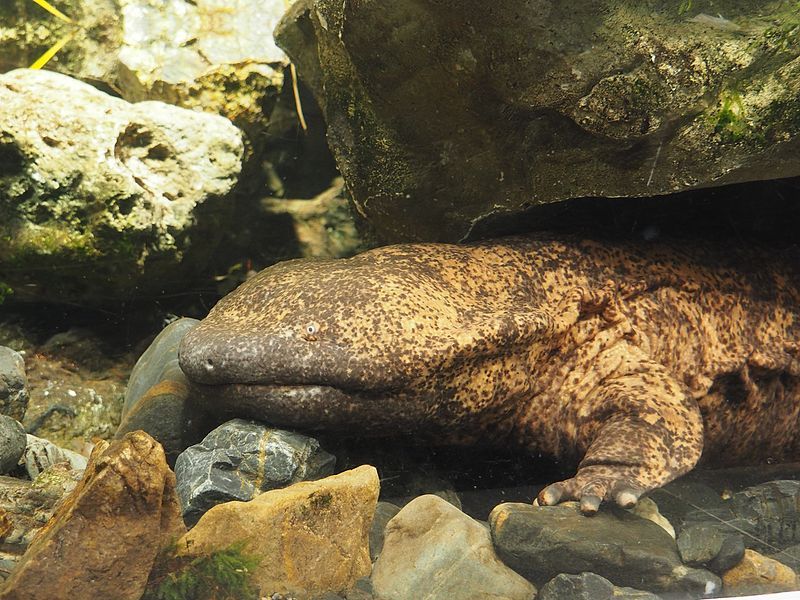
(443, 115)
(107, 200)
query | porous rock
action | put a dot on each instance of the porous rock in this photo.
(40, 454)
(27, 30)
(310, 538)
(194, 54)
(12, 443)
(104, 537)
(13, 384)
(115, 191)
(241, 459)
(493, 105)
(542, 542)
(157, 393)
(433, 550)
(757, 574)
(588, 586)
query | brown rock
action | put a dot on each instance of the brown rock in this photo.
(311, 537)
(757, 574)
(103, 539)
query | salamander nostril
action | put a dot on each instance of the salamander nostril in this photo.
(209, 365)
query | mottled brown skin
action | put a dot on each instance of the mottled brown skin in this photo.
(629, 359)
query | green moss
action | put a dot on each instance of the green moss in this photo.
(47, 240)
(5, 291)
(685, 7)
(729, 119)
(222, 575)
(784, 34)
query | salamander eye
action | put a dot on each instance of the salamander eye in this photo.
(310, 332)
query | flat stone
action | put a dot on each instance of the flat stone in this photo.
(241, 459)
(40, 454)
(157, 394)
(12, 443)
(13, 384)
(542, 542)
(757, 574)
(311, 537)
(113, 191)
(434, 551)
(104, 537)
(588, 586)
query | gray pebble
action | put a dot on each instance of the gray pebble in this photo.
(240, 459)
(12, 443)
(589, 586)
(13, 384)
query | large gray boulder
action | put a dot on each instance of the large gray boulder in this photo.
(443, 115)
(102, 200)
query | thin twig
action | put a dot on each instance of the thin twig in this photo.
(296, 92)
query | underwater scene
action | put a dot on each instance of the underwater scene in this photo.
(399, 300)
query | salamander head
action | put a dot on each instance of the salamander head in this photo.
(378, 339)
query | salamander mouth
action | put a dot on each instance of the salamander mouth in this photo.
(310, 407)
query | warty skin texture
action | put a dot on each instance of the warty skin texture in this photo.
(628, 359)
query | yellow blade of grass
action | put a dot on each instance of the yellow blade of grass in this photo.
(51, 51)
(53, 10)
(296, 93)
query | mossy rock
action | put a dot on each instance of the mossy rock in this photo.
(444, 115)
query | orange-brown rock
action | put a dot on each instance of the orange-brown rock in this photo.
(310, 538)
(103, 539)
(757, 574)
